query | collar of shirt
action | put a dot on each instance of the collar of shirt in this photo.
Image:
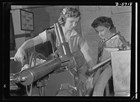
(70, 34)
(105, 40)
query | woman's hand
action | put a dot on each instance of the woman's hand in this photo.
(20, 56)
(26, 66)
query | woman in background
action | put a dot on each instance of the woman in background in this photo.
(111, 41)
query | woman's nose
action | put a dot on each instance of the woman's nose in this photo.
(74, 24)
(101, 33)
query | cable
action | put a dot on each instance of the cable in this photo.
(29, 93)
(33, 57)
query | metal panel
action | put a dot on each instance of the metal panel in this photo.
(121, 72)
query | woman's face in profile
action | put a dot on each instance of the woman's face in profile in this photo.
(71, 23)
(103, 32)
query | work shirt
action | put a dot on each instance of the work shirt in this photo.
(115, 43)
(74, 41)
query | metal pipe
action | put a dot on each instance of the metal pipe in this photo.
(27, 77)
(99, 65)
(63, 47)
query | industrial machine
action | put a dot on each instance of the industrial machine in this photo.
(56, 62)
(64, 60)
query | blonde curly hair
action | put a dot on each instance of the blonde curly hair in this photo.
(68, 12)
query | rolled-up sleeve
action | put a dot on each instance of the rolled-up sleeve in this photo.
(43, 36)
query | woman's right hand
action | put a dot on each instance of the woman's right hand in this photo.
(20, 56)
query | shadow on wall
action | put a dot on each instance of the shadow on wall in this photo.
(45, 48)
(41, 20)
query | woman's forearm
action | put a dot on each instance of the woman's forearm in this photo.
(31, 43)
(27, 44)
